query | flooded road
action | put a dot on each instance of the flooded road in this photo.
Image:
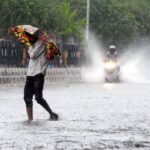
(93, 116)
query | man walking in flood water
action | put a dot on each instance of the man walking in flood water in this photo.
(35, 76)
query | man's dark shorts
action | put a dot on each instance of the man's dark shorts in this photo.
(33, 86)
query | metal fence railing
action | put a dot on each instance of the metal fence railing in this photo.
(15, 75)
(10, 53)
(14, 61)
(14, 55)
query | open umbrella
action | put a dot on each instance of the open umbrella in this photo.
(24, 33)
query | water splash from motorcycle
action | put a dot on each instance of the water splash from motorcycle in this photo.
(135, 63)
(93, 50)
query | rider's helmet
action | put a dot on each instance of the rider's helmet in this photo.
(112, 49)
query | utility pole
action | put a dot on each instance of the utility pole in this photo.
(87, 20)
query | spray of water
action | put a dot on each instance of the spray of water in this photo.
(135, 63)
(93, 72)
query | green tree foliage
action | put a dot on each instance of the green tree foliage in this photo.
(112, 22)
(115, 21)
(54, 16)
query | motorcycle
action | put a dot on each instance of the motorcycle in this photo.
(111, 70)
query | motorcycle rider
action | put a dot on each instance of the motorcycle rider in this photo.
(112, 53)
(112, 56)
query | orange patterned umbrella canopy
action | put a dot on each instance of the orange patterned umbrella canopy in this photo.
(21, 33)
